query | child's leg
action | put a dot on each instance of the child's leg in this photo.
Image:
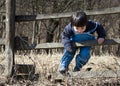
(84, 54)
(66, 59)
(82, 58)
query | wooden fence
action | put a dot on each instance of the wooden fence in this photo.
(11, 18)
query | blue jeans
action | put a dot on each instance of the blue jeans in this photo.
(83, 55)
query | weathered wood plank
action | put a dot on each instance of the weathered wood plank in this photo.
(87, 43)
(89, 74)
(2, 11)
(65, 15)
(2, 41)
(60, 45)
(96, 74)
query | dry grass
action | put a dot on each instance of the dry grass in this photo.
(48, 64)
(104, 62)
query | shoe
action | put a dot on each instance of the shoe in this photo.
(63, 70)
(76, 69)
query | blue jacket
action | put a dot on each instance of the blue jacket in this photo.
(91, 27)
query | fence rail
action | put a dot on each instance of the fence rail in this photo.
(60, 45)
(26, 46)
(65, 15)
(87, 43)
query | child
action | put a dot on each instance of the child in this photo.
(78, 30)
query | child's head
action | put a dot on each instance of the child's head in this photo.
(79, 19)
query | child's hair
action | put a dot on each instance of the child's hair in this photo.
(79, 19)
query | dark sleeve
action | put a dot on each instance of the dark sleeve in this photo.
(100, 31)
(66, 37)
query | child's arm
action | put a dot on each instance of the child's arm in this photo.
(66, 38)
(101, 34)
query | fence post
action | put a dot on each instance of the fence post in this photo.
(9, 39)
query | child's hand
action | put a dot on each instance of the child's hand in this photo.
(100, 40)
